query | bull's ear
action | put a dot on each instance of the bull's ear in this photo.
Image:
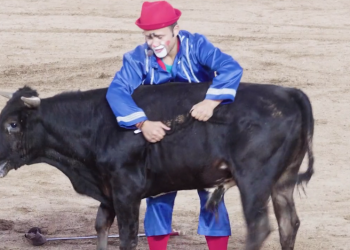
(31, 102)
(6, 94)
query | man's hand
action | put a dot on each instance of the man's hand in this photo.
(153, 131)
(203, 110)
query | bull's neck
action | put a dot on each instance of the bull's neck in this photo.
(68, 131)
(68, 138)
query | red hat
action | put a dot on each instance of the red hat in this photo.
(157, 15)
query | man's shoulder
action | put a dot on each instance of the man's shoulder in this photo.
(192, 37)
(138, 53)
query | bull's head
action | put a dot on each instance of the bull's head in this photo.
(15, 145)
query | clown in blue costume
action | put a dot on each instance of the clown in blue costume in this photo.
(173, 55)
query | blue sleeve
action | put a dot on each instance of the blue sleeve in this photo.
(228, 71)
(119, 94)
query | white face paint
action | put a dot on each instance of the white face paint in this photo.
(160, 50)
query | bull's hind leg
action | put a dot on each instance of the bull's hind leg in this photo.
(255, 195)
(104, 220)
(287, 218)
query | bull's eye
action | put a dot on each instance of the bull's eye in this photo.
(13, 127)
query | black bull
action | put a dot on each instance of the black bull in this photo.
(258, 143)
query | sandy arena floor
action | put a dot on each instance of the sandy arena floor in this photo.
(61, 45)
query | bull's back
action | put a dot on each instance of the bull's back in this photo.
(254, 125)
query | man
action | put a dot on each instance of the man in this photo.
(171, 55)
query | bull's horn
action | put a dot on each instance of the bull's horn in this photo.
(6, 94)
(32, 102)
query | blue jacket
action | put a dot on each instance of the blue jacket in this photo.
(196, 61)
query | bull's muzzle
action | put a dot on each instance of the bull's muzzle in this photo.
(3, 169)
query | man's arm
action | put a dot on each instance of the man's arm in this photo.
(119, 93)
(224, 86)
(128, 114)
(229, 72)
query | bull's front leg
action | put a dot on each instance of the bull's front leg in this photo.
(104, 220)
(127, 209)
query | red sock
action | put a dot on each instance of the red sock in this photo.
(217, 242)
(158, 242)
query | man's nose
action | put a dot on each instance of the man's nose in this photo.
(155, 44)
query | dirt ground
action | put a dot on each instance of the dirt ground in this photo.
(61, 45)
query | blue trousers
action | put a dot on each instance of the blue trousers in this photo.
(159, 213)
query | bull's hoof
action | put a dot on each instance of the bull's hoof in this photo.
(132, 247)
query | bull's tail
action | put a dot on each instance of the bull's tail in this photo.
(215, 198)
(308, 131)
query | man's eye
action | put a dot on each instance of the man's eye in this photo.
(13, 125)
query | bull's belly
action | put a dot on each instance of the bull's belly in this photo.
(210, 179)
(221, 187)
(185, 160)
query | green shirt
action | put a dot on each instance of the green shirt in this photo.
(168, 67)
